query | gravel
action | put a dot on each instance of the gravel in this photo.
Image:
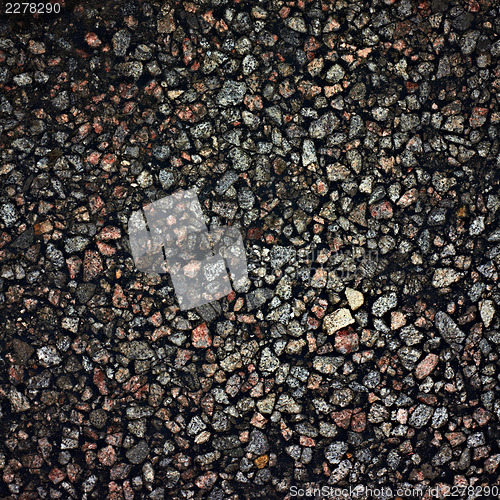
(355, 148)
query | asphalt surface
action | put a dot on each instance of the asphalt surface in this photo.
(355, 146)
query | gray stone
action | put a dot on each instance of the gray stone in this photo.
(420, 416)
(239, 159)
(464, 460)
(195, 426)
(61, 100)
(309, 153)
(444, 277)
(335, 73)
(232, 93)
(326, 364)
(226, 181)
(167, 178)
(337, 320)
(249, 64)
(477, 226)
(161, 152)
(232, 362)
(287, 404)
(335, 451)
(226, 442)
(18, 401)
(468, 42)
(137, 412)
(23, 79)
(378, 414)
(55, 255)
(98, 418)
(48, 356)
(495, 49)
(476, 439)
(440, 417)
(323, 126)
(268, 361)
(448, 328)
(281, 255)
(463, 21)
(409, 356)
(220, 422)
(133, 69)
(409, 122)
(136, 349)
(76, 244)
(443, 456)
(8, 214)
(202, 130)
(258, 442)
(21, 351)
(296, 23)
(487, 311)
(25, 239)
(138, 453)
(258, 297)
(384, 304)
(121, 42)
(437, 217)
(85, 291)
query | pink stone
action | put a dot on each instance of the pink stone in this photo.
(478, 117)
(358, 422)
(105, 249)
(56, 475)
(100, 381)
(342, 418)
(74, 264)
(207, 480)
(307, 441)
(107, 456)
(119, 299)
(408, 198)
(381, 210)
(201, 337)
(402, 416)
(481, 416)
(426, 366)
(92, 39)
(346, 341)
(110, 233)
(258, 420)
(92, 265)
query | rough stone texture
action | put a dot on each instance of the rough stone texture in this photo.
(355, 147)
(448, 328)
(384, 304)
(355, 298)
(337, 320)
(138, 453)
(445, 277)
(426, 366)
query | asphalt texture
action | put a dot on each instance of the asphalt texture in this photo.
(355, 146)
